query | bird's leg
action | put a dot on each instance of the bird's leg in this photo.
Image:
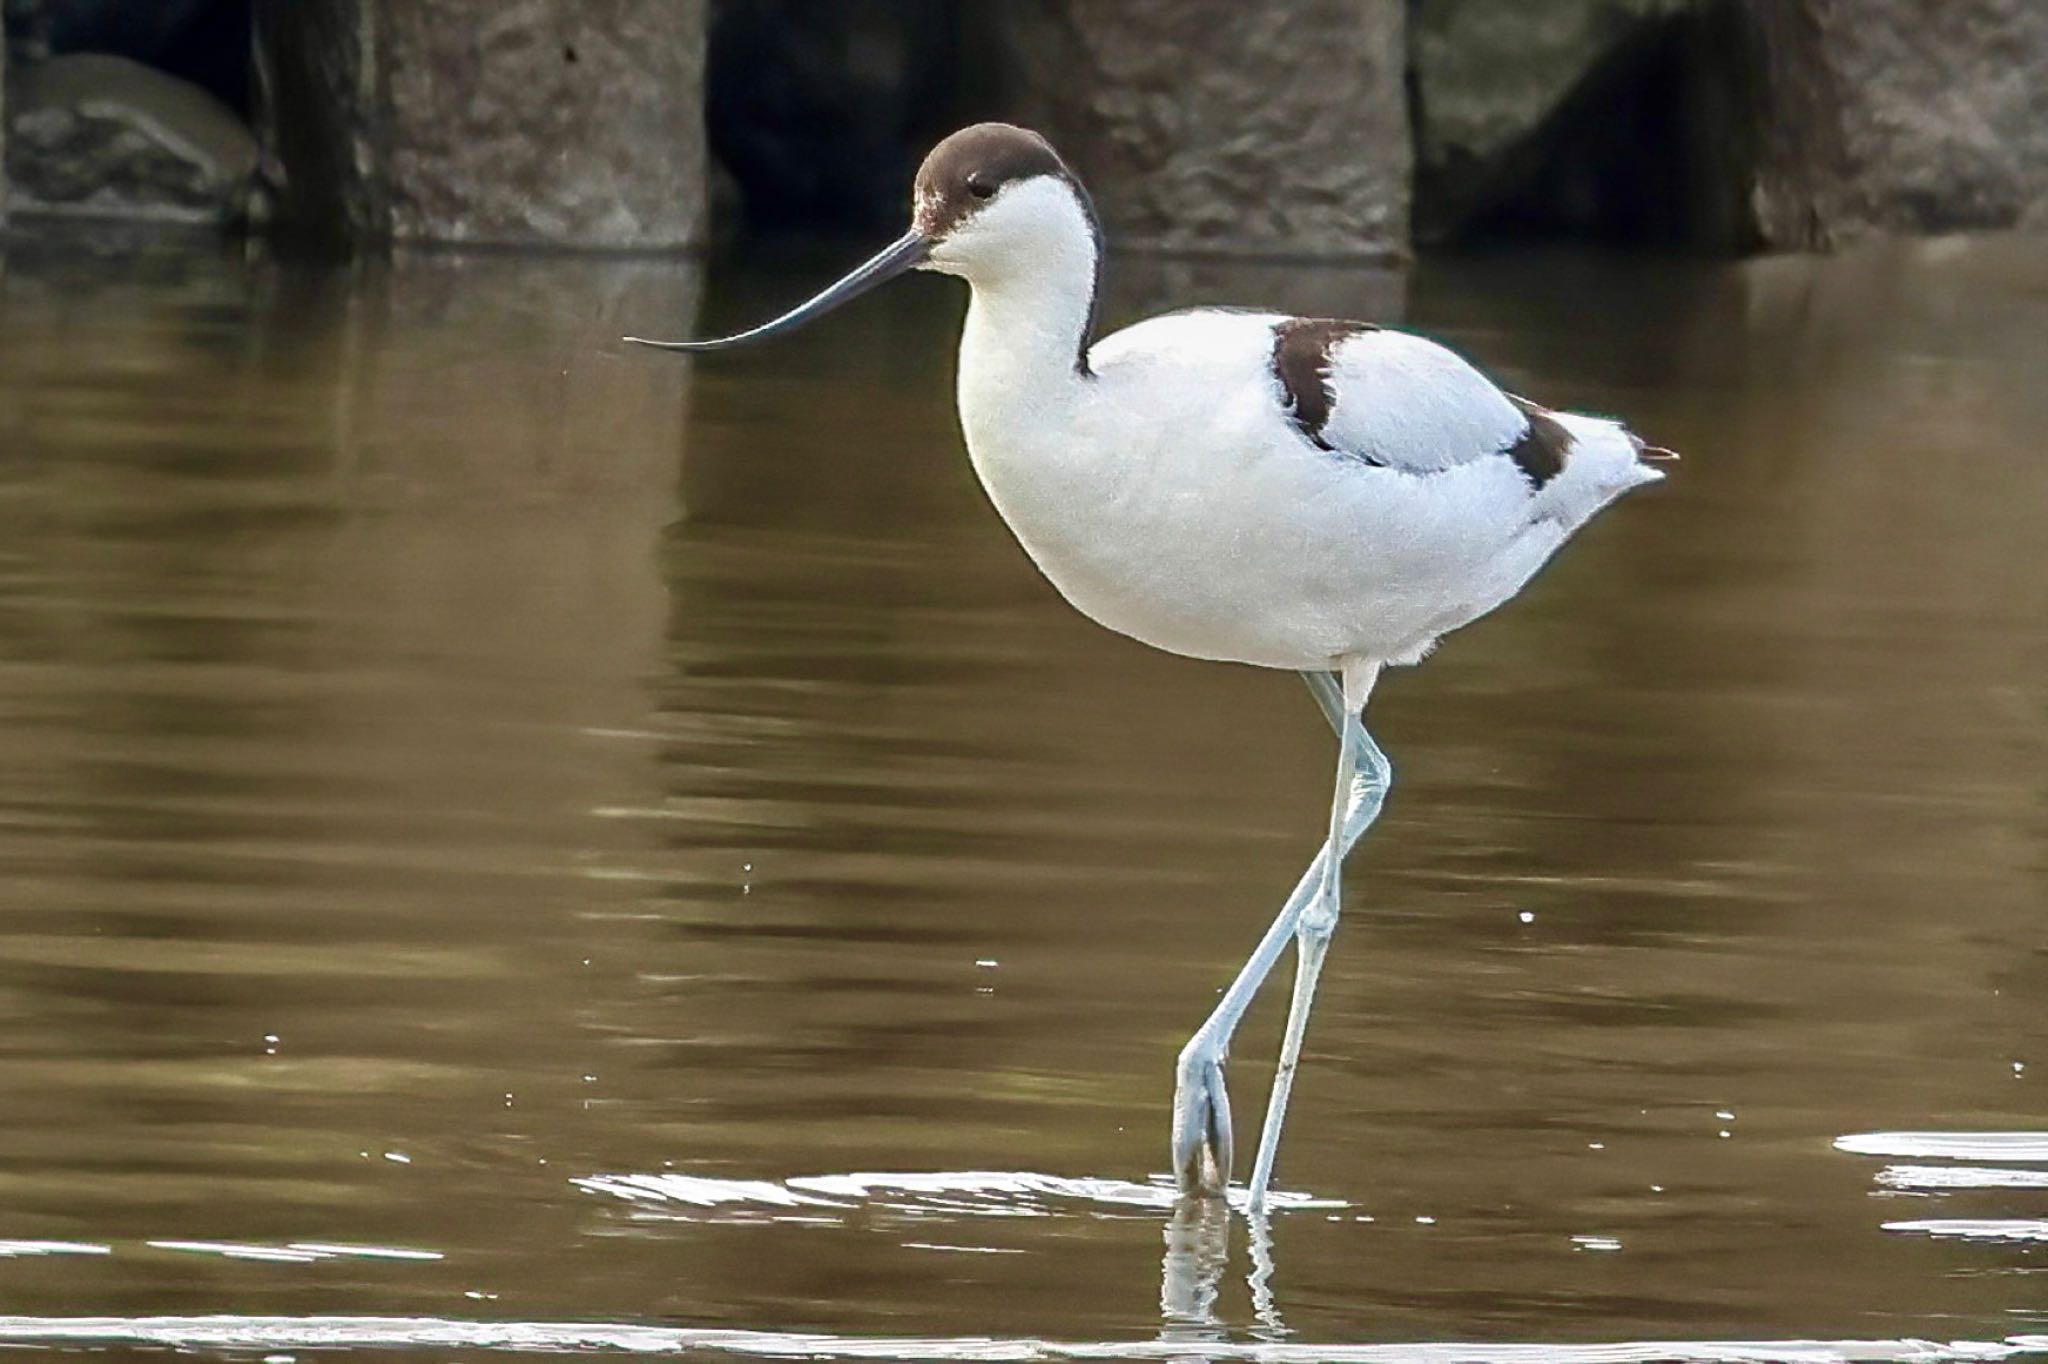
(1363, 775)
(1202, 1138)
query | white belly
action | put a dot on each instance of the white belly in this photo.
(1287, 558)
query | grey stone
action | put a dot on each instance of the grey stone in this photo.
(1900, 116)
(1491, 77)
(1489, 72)
(109, 137)
(532, 122)
(1217, 126)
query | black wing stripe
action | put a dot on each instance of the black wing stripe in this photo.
(1302, 349)
(1539, 451)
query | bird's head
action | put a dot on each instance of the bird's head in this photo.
(990, 202)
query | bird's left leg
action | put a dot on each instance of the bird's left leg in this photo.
(1201, 1103)
(1363, 775)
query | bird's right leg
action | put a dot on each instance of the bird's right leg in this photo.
(1202, 1137)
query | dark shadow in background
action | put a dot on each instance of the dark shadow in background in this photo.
(203, 41)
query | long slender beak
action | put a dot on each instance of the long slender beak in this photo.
(906, 252)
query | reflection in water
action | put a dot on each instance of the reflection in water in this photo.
(475, 792)
(1197, 1249)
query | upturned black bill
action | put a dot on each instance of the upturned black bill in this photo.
(905, 253)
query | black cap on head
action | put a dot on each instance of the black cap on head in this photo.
(967, 169)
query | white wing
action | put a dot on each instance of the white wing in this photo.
(1408, 403)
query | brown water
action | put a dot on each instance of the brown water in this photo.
(501, 828)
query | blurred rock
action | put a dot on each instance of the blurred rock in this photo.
(1900, 116)
(110, 137)
(28, 30)
(1493, 78)
(537, 122)
(1199, 126)
(822, 112)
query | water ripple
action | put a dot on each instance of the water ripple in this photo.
(970, 1193)
(10, 1250)
(296, 1252)
(1960, 1177)
(1947, 1145)
(399, 1333)
(2012, 1230)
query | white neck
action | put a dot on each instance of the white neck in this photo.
(1033, 275)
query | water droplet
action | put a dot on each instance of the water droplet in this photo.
(1724, 1132)
(1527, 916)
(987, 963)
(1425, 1221)
(1724, 1115)
(398, 1157)
(1596, 1146)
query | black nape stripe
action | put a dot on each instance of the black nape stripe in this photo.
(1539, 451)
(1094, 322)
(1302, 349)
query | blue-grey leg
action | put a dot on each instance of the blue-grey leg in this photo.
(1363, 775)
(1202, 1135)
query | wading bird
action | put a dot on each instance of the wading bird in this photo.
(1290, 492)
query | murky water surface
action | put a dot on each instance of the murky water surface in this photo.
(496, 827)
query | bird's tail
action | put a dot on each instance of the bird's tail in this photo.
(1606, 460)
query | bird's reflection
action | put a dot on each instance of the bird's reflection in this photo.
(1259, 1235)
(1191, 1272)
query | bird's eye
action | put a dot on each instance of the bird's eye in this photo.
(979, 188)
